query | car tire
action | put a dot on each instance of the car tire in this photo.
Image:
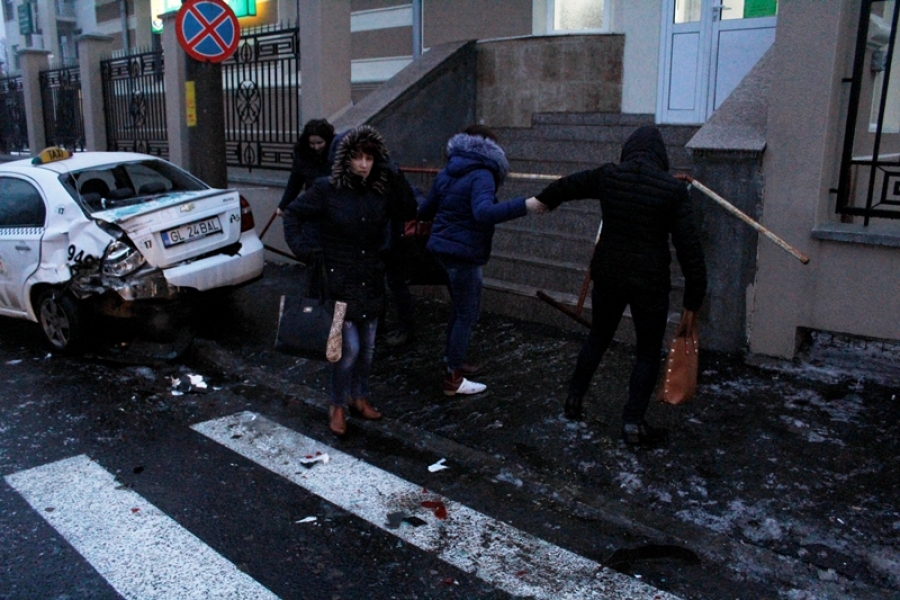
(62, 321)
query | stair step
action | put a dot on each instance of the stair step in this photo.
(550, 245)
(577, 219)
(592, 118)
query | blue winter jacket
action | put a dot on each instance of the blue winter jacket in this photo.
(463, 201)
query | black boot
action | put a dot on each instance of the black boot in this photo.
(642, 434)
(572, 408)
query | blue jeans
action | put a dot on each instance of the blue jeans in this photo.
(649, 313)
(350, 375)
(465, 283)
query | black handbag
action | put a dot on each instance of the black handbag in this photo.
(419, 265)
(310, 327)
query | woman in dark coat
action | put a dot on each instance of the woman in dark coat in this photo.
(643, 206)
(310, 159)
(353, 210)
(463, 204)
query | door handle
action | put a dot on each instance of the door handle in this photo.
(717, 11)
(23, 248)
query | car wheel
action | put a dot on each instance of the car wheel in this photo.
(62, 321)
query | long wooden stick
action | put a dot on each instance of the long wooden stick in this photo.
(587, 277)
(746, 219)
(435, 171)
(269, 224)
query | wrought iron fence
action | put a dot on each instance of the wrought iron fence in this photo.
(869, 185)
(63, 116)
(262, 99)
(135, 98)
(13, 127)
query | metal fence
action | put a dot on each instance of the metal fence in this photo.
(869, 185)
(135, 98)
(63, 116)
(13, 127)
(262, 99)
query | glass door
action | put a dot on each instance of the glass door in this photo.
(708, 47)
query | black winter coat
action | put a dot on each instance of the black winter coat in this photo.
(354, 224)
(307, 166)
(643, 205)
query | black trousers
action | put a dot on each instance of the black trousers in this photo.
(649, 312)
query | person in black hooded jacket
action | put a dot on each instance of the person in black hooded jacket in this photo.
(353, 210)
(311, 159)
(643, 206)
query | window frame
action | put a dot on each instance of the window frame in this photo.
(883, 166)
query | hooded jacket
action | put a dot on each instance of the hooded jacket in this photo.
(463, 200)
(306, 167)
(352, 215)
(643, 205)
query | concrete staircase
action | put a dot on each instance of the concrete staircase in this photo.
(551, 253)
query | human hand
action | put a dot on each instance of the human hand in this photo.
(279, 212)
(533, 205)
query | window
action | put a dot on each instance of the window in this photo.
(21, 204)
(869, 180)
(578, 15)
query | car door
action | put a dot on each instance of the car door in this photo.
(22, 223)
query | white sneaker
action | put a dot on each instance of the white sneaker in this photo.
(470, 387)
(466, 388)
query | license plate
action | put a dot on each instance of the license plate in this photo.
(191, 232)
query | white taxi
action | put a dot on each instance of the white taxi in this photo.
(106, 233)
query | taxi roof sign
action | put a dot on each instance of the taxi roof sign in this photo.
(51, 154)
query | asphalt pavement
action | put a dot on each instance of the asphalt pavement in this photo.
(783, 473)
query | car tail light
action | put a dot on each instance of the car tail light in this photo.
(247, 222)
(122, 259)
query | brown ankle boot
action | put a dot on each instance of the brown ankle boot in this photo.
(362, 406)
(337, 421)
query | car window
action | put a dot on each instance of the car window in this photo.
(21, 205)
(127, 184)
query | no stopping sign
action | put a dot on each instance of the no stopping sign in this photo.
(208, 30)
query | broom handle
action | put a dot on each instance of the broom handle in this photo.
(587, 277)
(746, 219)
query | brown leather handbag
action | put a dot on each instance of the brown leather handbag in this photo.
(679, 381)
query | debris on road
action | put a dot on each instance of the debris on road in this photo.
(309, 461)
(438, 466)
(188, 384)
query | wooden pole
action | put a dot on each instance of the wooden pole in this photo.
(746, 219)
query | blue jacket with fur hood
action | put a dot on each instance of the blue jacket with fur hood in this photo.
(463, 200)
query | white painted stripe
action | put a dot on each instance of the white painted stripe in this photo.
(499, 554)
(140, 551)
(381, 18)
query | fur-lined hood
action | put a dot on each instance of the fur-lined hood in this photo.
(343, 177)
(468, 151)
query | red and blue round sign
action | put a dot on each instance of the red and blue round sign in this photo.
(208, 30)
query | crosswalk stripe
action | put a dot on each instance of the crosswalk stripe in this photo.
(140, 551)
(508, 559)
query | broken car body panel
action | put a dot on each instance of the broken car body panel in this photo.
(123, 223)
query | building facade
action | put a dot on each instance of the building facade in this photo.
(800, 93)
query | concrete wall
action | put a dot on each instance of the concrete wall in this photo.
(422, 106)
(577, 73)
(852, 284)
(475, 19)
(729, 244)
